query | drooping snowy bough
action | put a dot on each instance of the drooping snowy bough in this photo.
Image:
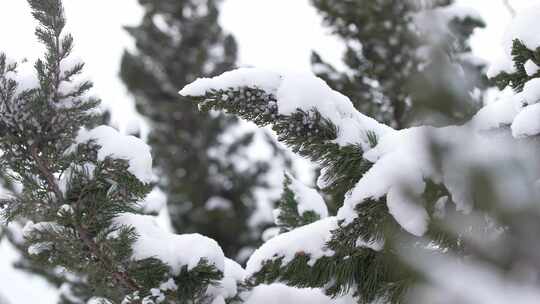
(398, 186)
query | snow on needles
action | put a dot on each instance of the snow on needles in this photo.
(308, 199)
(402, 160)
(172, 249)
(521, 28)
(117, 145)
(298, 91)
(309, 240)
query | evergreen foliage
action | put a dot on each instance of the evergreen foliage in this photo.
(288, 215)
(413, 199)
(71, 193)
(178, 41)
(517, 79)
(388, 51)
(362, 271)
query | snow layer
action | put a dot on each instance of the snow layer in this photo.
(497, 114)
(309, 240)
(402, 159)
(520, 28)
(403, 162)
(218, 203)
(283, 294)
(530, 93)
(249, 77)
(173, 249)
(228, 286)
(154, 201)
(308, 199)
(298, 91)
(25, 75)
(115, 144)
(531, 68)
(407, 211)
(527, 122)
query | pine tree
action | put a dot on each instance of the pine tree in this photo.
(198, 155)
(81, 186)
(388, 46)
(418, 197)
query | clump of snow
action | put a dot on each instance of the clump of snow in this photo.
(25, 75)
(270, 233)
(530, 68)
(503, 64)
(228, 286)
(65, 209)
(173, 249)
(154, 201)
(115, 144)
(496, 114)
(96, 300)
(308, 199)
(530, 93)
(398, 159)
(407, 211)
(306, 240)
(30, 228)
(298, 91)
(249, 77)
(38, 248)
(279, 293)
(527, 122)
(520, 29)
(218, 203)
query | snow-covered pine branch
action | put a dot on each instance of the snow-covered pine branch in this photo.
(401, 184)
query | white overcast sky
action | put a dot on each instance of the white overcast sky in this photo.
(275, 34)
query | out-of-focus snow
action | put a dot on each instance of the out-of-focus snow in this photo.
(19, 287)
(470, 282)
(499, 113)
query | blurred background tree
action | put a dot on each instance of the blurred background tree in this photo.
(388, 44)
(210, 180)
